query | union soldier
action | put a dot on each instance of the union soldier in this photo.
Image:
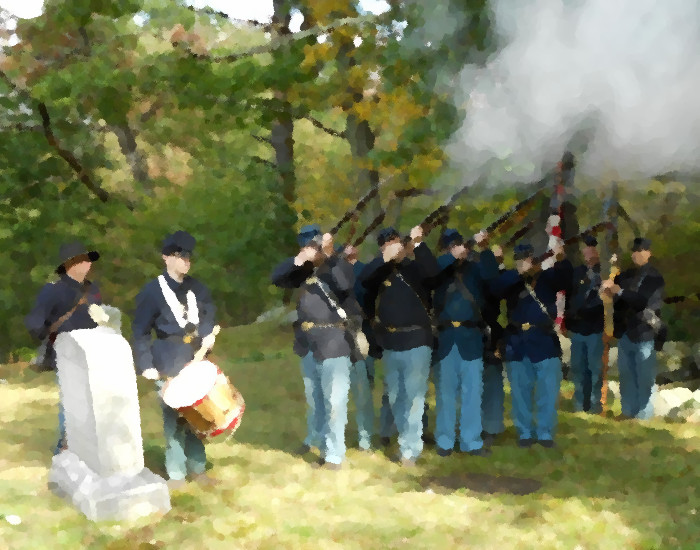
(459, 300)
(362, 370)
(638, 295)
(493, 399)
(398, 300)
(62, 306)
(584, 322)
(532, 349)
(328, 314)
(180, 310)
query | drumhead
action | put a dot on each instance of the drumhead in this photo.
(192, 384)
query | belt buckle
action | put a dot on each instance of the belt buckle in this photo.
(387, 283)
(306, 325)
(456, 324)
(526, 326)
(391, 329)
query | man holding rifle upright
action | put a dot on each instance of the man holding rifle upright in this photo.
(531, 346)
(398, 299)
(328, 320)
(638, 294)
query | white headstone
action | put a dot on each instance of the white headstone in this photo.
(100, 399)
(103, 470)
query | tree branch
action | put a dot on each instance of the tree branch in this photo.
(66, 155)
(320, 125)
(283, 39)
(69, 157)
(262, 139)
(264, 161)
(211, 11)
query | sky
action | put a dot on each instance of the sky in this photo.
(260, 10)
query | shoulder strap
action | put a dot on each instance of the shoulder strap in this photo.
(466, 294)
(59, 322)
(327, 293)
(531, 291)
(427, 309)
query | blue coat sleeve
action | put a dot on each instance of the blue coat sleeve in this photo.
(288, 275)
(488, 265)
(207, 310)
(37, 322)
(141, 328)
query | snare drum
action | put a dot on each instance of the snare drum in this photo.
(205, 398)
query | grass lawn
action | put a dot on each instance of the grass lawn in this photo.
(607, 485)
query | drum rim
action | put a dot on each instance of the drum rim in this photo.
(192, 366)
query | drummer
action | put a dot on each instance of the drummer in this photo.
(180, 310)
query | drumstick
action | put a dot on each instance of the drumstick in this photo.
(203, 351)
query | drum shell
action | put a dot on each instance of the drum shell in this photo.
(219, 411)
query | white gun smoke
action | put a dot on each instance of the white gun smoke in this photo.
(623, 73)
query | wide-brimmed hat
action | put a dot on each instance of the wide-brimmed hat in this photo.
(72, 251)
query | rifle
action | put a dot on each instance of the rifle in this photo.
(679, 299)
(354, 211)
(608, 330)
(576, 238)
(400, 194)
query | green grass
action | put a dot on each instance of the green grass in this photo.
(607, 485)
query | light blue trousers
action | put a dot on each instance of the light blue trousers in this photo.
(387, 428)
(636, 363)
(407, 383)
(362, 395)
(587, 362)
(327, 385)
(459, 380)
(493, 399)
(543, 379)
(184, 451)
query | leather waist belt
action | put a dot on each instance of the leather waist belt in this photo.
(457, 324)
(185, 338)
(527, 326)
(409, 328)
(308, 325)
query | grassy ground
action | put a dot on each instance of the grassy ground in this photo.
(607, 485)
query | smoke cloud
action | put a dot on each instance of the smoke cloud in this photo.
(617, 81)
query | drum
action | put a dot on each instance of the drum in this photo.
(205, 398)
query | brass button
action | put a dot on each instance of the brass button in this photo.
(456, 324)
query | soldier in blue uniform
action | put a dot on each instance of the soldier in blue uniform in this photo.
(638, 295)
(532, 350)
(584, 321)
(328, 315)
(180, 310)
(493, 398)
(62, 306)
(362, 370)
(458, 303)
(398, 299)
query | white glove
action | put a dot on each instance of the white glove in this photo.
(98, 314)
(151, 374)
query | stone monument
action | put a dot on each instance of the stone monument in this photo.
(103, 472)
